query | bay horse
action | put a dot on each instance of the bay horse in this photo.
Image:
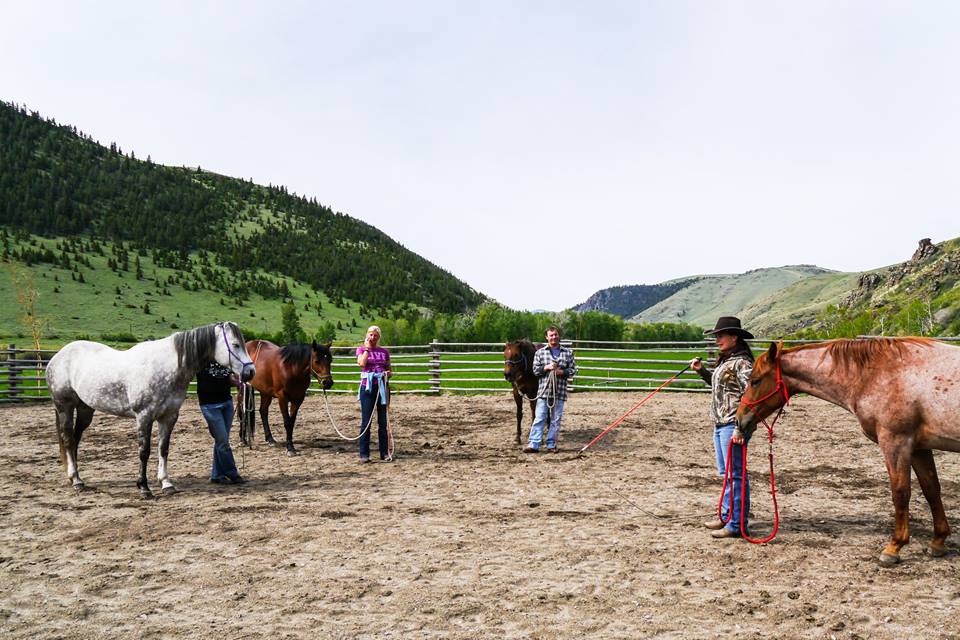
(284, 373)
(905, 392)
(148, 382)
(518, 371)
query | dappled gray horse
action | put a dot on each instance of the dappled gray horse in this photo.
(148, 382)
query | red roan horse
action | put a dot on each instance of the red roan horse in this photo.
(518, 371)
(905, 392)
(284, 373)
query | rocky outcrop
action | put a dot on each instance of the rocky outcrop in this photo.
(929, 273)
(867, 283)
(924, 251)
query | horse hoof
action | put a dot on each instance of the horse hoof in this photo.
(888, 559)
(937, 552)
(292, 452)
(169, 491)
(79, 487)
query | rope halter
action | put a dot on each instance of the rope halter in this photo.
(233, 356)
(781, 386)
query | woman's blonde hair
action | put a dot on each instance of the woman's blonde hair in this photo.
(374, 327)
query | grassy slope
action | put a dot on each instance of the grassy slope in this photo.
(712, 296)
(94, 308)
(797, 302)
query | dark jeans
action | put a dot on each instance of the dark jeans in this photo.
(368, 399)
(219, 417)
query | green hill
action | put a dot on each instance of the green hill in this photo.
(711, 296)
(796, 306)
(918, 297)
(222, 235)
(629, 300)
(94, 291)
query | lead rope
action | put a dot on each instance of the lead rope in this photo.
(326, 405)
(728, 479)
(728, 472)
(382, 389)
(247, 406)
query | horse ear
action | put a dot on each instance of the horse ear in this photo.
(315, 344)
(773, 350)
(328, 345)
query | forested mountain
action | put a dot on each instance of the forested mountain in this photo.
(56, 181)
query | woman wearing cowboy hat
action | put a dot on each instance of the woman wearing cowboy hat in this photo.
(728, 381)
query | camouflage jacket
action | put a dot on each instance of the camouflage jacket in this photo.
(727, 382)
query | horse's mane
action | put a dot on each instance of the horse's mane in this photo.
(195, 347)
(859, 353)
(527, 348)
(296, 353)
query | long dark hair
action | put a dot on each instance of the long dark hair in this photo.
(741, 348)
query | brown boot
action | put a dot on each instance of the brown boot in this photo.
(717, 523)
(725, 533)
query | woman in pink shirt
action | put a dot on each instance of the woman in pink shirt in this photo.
(374, 392)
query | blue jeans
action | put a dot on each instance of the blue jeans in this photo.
(540, 419)
(368, 399)
(219, 417)
(721, 443)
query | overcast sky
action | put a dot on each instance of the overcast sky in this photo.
(539, 151)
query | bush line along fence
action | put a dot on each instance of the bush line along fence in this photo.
(456, 367)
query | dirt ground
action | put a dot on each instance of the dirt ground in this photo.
(464, 536)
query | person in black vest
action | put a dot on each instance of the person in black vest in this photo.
(214, 383)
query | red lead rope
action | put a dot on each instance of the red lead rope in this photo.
(624, 416)
(728, 478)
(728, 472)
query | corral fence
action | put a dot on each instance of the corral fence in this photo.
(456, 367)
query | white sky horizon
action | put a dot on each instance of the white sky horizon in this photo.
(545, 151)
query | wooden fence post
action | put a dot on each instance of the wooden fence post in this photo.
(435, 367)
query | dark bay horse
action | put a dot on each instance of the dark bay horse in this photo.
(905, 392)
(518, 371)
(148, 382)
(284, 373)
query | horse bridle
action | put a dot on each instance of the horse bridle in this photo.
(320, 378)
(522, 361)
(230, 353)
(780, 386)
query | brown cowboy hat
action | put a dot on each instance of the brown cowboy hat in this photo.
(729, 324)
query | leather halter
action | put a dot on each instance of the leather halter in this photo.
(321, 378)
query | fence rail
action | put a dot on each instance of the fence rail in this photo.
(461, 367)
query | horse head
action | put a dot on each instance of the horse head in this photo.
(229, 350)
(514, 361)
(320, 362)
(766, 392)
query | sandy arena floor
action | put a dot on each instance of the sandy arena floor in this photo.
(464, 536)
